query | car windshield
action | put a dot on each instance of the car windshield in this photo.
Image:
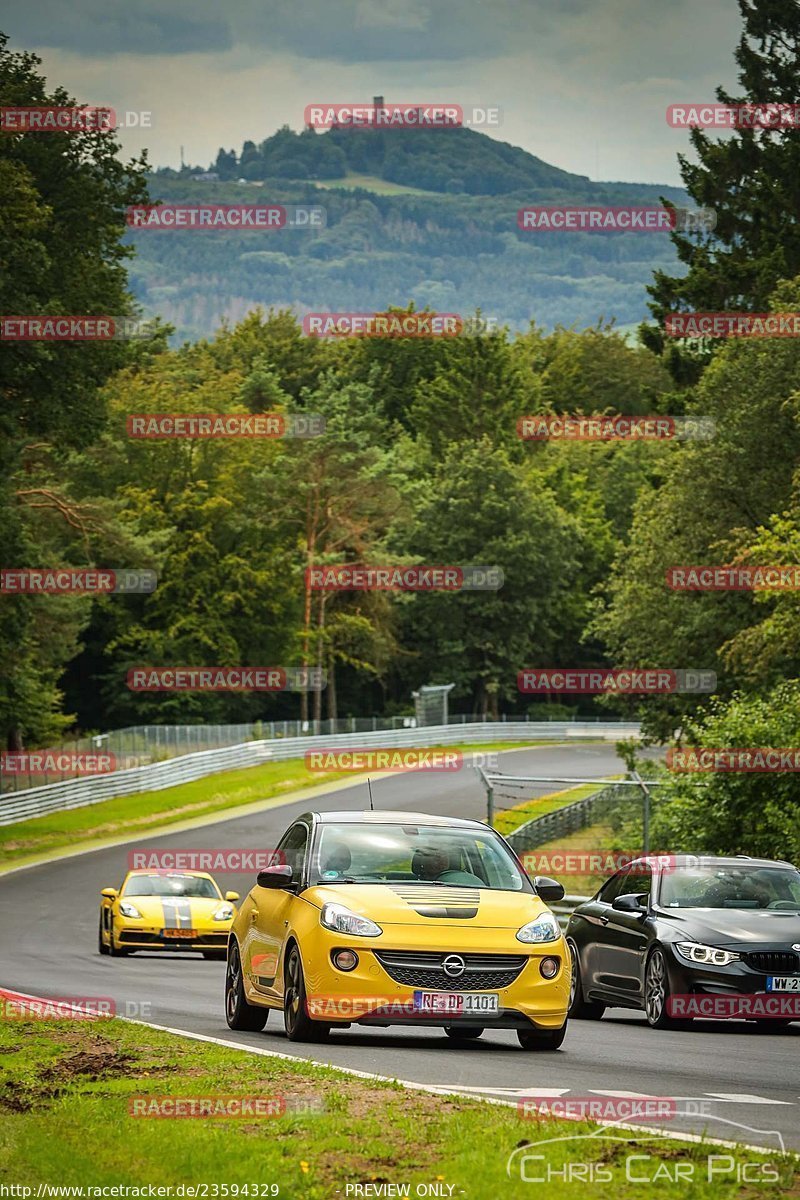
(725, 886)
(171, 885)
(415, 854)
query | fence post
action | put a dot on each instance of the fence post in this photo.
(646, 812)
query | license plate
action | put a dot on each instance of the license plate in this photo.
(180, 933)
(456, 1004)
(783, 983)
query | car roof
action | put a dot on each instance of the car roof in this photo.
(393, 817)
(716, 860)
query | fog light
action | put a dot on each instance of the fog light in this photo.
(549, 967)
(345, 960)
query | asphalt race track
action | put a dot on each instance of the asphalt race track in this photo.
(742, 1083)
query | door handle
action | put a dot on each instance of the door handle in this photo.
(604, 920)
(253, 915)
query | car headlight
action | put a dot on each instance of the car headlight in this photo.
(342, 920)
(544, 929)
(224, 912)
(710, 956)
(128, 910)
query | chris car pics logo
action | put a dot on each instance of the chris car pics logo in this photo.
(639, 1159)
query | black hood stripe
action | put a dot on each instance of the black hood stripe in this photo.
(453, 903)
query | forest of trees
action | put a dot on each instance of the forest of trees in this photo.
(420, 462)
(450, 253)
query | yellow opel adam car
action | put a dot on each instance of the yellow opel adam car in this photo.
(166, 910)
(384, 918)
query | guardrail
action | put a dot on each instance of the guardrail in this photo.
(140, 745)
(77, 793)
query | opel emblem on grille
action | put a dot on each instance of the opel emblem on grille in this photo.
(796, 946)
(453, 966)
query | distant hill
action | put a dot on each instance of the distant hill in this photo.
(453, 161)
(423, 216)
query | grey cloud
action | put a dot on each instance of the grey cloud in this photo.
(97, 28)
(345, 31)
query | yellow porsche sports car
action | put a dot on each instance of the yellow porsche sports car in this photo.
(166, 910)
(384, 918)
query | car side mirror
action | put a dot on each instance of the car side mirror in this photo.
(231, 895)
(548, 889)
(111, 893)
(275, 877)
(632, 902)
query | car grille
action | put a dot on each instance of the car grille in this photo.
(773, 962)
(423, 969)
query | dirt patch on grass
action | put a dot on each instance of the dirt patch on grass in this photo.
(102, 1061)
(363, 1100)
(89, 1065)
(16, 1100)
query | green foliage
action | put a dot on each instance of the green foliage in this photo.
(62, 198)
(749, 178)
(727, 812)
(452, 252)
(720, 502)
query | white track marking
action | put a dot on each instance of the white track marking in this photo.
(622, 1095)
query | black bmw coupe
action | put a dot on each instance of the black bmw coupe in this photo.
(665, 932)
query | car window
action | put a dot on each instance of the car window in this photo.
(611, 888)
(415, 854)
(292, 849)
(636, 882)
(727, 885)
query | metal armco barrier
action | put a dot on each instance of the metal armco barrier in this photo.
(76, 793)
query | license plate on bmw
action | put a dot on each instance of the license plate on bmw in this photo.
(783, 983)
(456, 1004)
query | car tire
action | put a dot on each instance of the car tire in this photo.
(463, 1035)
(101, 946)
(299, 1026)
(216, 955)
(238, 1012)
(541, 1039)
(657, 993)
(114, 951)
(584, 1010)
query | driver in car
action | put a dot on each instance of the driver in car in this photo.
(432, 864)
(727, 890)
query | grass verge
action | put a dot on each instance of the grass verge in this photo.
(597, 839)
(68, 1087)
(509, 819)
(147, 811)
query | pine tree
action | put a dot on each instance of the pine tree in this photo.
(750, 178)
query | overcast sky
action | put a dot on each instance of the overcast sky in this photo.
(581, 83)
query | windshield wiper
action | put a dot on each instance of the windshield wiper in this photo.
(345, 879)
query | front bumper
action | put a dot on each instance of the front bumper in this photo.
(140, 937)
(737, 979)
